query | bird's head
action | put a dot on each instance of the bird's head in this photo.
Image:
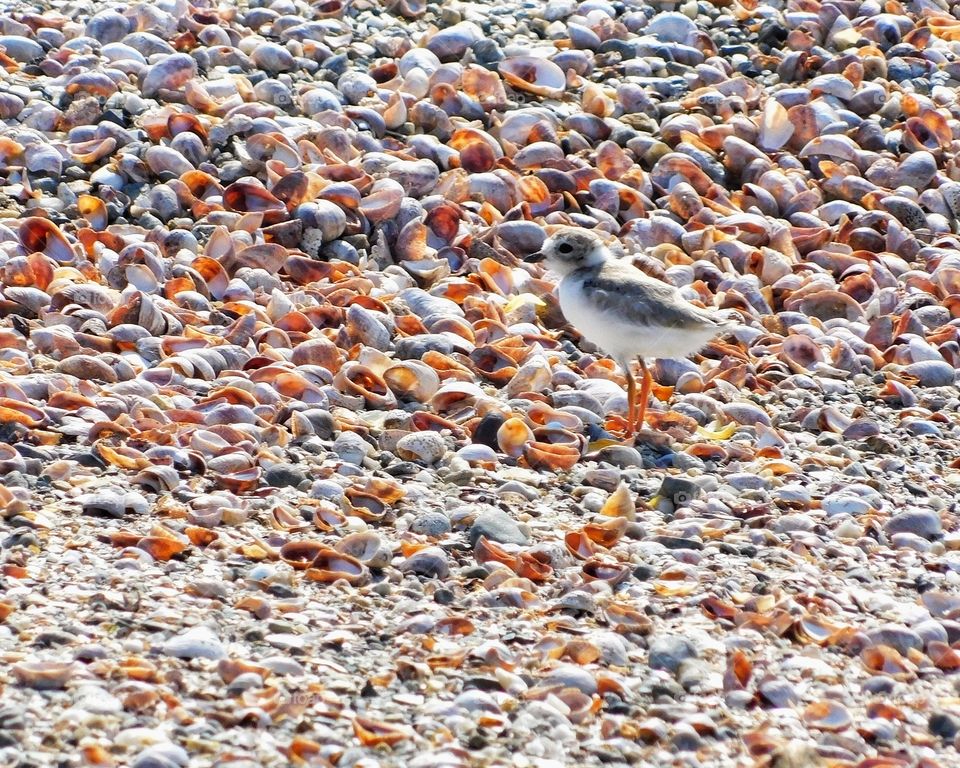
(570, 248)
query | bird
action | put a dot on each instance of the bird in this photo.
(624, 312)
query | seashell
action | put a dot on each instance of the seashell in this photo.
(412, 380)
(341, 194)
(366, 506)
(162, 545)
(917, 170)
(300, 555)
(427, 447)
(329, 9)
(230, 669)
(579, 545)
(323, 221)
(16, 411)
(417, 177)
(158, 479)
(834, 145)
(246, 196)
(451, 43)
(776, 692)
(801, 353)
(775, 127)
(266, 256)
(330, 566)
(107, 27)
(943, 656)
(627, 619)
(383, 200)
(671, 27)
(887, 660)
(185, 122)
(320, 352)
(44, 675)
(374, 733)
(487, 551)
(44, 159)
(272, 57)
(478, 455)
(931, 373)
(367, 547)
(163, 160)
(168, 74)
(512, 437)
(94, 210)
(606, 533)
(198, 642)
(493, 364)
(21, 49)
(12, 501)
(611, 573)
(239, 481)
(32, 301)
(540, 77)
(94, 83)
(530, 377)
(11, 106)
(202, 185)
(43, 236)
(430, 562)
(828, 305)
(827, 716)
(88, 295)
(140, 309)
(620, 504)
(87, 368)
(10, 150)
(409, 9)
(326, 517)
(111, 504)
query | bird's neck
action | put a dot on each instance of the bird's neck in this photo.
(585, 271)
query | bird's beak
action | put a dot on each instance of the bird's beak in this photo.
(533, 258)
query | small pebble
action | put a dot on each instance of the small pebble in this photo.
(284, 475)
(195, 643)
(921, 522)
(432, 524)
(669, 652)
(496, 525)
(945, 725)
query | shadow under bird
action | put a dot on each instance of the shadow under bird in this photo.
(624, 311)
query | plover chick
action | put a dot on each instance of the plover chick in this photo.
(623, 311)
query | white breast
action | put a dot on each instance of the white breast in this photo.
(621, 339)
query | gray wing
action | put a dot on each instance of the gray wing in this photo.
(625, 291)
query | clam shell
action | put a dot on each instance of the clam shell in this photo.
(329, 566)
(533, 75)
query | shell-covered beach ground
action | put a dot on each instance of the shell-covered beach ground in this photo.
(302, 466)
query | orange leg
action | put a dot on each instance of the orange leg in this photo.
(631, 398)
(644, 395)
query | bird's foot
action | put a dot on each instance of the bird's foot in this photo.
(620, 428)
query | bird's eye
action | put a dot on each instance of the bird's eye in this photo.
(565, 248)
